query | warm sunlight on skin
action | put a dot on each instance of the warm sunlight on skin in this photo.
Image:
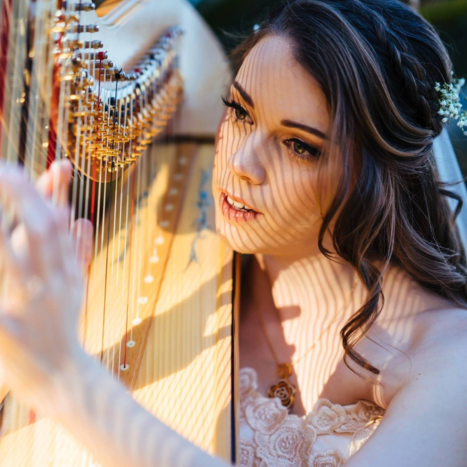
(266, 162)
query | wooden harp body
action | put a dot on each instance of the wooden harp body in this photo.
(131, 94)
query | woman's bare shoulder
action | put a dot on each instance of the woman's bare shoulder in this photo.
(399, 348)
(413, 322)
(440, 328)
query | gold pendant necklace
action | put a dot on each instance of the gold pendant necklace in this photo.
(284, 389)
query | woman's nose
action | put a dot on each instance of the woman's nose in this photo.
(246, 164)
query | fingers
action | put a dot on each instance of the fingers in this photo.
(45, 228)
(55, 182)
(82, 234)
(8, 257)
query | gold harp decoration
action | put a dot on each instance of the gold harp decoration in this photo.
(107, 91)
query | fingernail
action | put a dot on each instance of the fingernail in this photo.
(55, 166)
(59, 165)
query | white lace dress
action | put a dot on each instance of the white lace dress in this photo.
(326, 437)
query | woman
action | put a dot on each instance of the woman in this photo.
(324, 173)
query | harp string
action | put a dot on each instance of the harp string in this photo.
(14, 45)
(15, 57)
(119, 258)
(52, 104)
(85, 151)
(112, 167)
(82, 131)
(34, 103)
(117, 130)
(139, 204)
(91, 153)
(122, 255)
(128, 246)
(103, 214)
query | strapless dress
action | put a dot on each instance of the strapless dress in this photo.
(326, 437)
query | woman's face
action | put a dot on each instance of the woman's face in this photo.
(267, 146)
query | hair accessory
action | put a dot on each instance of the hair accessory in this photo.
(450, 107)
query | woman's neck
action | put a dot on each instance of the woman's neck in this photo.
(311, 290)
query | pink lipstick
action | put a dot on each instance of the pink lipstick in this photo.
(235, 213)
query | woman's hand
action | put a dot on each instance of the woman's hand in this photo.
(40, 356)
(39, 311)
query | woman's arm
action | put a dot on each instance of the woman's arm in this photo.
(426, 422)
(41, 360)
(99, 412)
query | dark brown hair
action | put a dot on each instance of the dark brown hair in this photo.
(377, 62)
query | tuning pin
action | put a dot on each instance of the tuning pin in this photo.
(93, 44)
(81, 28)
(77, 63)
(84, 6)
(93, 55)
(72, 19)
(87, 82)
(106, 64)
(77, 96)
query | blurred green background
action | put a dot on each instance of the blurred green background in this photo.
(228, 18)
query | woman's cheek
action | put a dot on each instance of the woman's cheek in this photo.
(220, 126)
(298, 198)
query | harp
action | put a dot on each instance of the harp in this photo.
(130, 94)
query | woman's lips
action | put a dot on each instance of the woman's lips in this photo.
(233, 214)
(238, 200)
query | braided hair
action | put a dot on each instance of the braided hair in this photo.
(377, 62)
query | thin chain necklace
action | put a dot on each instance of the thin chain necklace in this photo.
(284, 389)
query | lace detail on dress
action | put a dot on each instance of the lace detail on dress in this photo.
(326, 437)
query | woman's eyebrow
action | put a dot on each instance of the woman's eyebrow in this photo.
(301, 126)
(287, 123)
(244, 94)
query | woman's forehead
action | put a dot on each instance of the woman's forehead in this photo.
(279, 86)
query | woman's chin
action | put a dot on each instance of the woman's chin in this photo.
(247, 241)
(239, 246)
(238, 243)
(247, 247)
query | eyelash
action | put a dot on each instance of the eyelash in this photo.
(236, 106)
(314, 153)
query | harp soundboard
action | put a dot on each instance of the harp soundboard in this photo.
(131, 95)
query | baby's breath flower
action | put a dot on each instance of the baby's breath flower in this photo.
(449, 102)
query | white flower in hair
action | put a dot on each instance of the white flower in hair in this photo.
(450, 107)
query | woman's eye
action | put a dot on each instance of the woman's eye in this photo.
(301, 149)
(240, 113)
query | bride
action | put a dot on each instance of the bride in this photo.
(355, 284)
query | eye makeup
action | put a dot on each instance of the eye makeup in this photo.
(297, 148)
(240, 112)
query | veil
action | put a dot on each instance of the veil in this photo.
(449, 171)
